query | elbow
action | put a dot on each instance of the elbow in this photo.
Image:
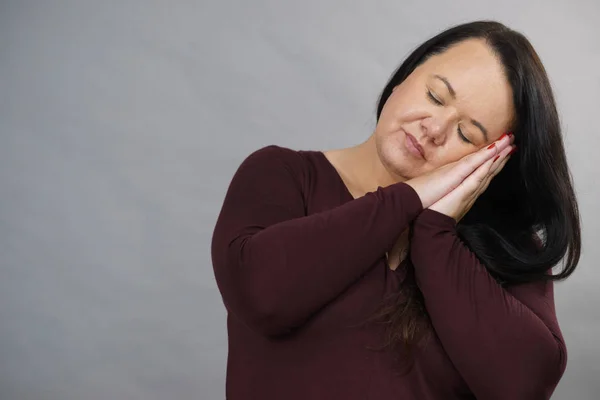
(262, 312)
(253, 295)
(559, 364)
(548, 371)
(552, 364)
(268, 325)
(257, 304)
(540, 381)
(533, 374)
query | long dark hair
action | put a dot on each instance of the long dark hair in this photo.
(527, 219)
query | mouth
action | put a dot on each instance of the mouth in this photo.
(413, 146)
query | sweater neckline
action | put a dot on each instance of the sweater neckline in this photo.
(400, 269)
(336, 175)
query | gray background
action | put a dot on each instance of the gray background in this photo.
(121, 124)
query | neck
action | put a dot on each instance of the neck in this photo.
(364, 168)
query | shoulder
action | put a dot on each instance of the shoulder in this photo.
(299, 163)
(273, 154)
(277, 164)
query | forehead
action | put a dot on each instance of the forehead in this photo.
(477, 76)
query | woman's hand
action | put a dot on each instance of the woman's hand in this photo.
(464, 176)
(460, 200)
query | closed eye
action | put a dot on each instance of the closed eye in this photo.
(462, 137)
(436, 101)
(433, 98)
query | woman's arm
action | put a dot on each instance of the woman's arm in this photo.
(274, 265)
(505, 343)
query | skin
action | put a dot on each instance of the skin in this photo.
(481, 93)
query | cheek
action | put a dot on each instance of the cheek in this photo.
(390, 113)
(403, 105)
(451, 155)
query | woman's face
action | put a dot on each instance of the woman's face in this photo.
(453, 104)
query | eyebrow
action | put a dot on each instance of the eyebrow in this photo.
(453, 94)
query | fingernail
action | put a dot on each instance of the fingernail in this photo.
(495, 158)
(491, 145)
(510, 134)
(501, 137)
(513, 150)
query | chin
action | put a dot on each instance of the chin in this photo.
(394, 158)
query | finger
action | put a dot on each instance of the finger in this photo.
(468, 186)
(474, 160)
(466, 191)
(502, 143)
(474, 181)
(484, 185)
(501, 163)
(479, 178)
(497, 166)
(500, 160)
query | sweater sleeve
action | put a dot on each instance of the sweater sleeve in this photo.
(506, 343)
(274, 265)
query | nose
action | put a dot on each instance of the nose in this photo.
(436, 127)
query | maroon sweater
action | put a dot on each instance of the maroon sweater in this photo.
(300, 264)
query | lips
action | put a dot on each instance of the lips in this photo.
(416, 144)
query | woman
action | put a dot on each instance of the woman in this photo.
(428, 246)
